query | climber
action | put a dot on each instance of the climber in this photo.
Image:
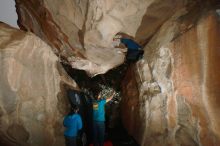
(134, 50)
(99, 117)
(73, 124)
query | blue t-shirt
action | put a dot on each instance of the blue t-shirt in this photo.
(73, 124)
(130, 44)
(99, 110)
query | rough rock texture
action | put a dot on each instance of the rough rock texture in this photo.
(81, 31)
(170, 96)
(173, 99)
(32, 102)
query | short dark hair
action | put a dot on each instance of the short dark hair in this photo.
(96, 91)
(73, 109)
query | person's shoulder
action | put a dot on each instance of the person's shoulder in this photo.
(124, 39)
(77, 115)
(74, 116)
(103, 100)
(66, 116)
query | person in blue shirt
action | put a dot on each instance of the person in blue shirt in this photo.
(134, 50)
(99, 118)
(73, 123)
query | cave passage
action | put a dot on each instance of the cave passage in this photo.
(114, 131)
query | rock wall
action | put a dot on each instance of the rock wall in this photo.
(81, 31)
(32, 97)
(196, 83)
(171, 95)
(176, 86)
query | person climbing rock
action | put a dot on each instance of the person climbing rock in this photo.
(99, 117)
(73, 124)
(134, 50)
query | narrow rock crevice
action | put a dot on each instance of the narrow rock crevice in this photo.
(112, 79)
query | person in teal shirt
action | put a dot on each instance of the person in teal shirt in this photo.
(73, 123)
(99, 118)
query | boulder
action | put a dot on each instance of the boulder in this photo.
(171, 95)
(32, 91)
(81, 31)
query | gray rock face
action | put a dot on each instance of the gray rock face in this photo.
(30, 91)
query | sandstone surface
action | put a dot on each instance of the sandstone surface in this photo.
(32, 95)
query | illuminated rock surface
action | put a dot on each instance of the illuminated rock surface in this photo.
(32, 104)
(170, 97)
(173, 99)
(81, 31)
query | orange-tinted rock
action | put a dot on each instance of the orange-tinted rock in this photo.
(32, 100)
(186, 110)
(196, 79)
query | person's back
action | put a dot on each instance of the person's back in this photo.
(130, 44)
(73, 123)
(134, 50)
(99, 110)
(99, 117)
(98, 120)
